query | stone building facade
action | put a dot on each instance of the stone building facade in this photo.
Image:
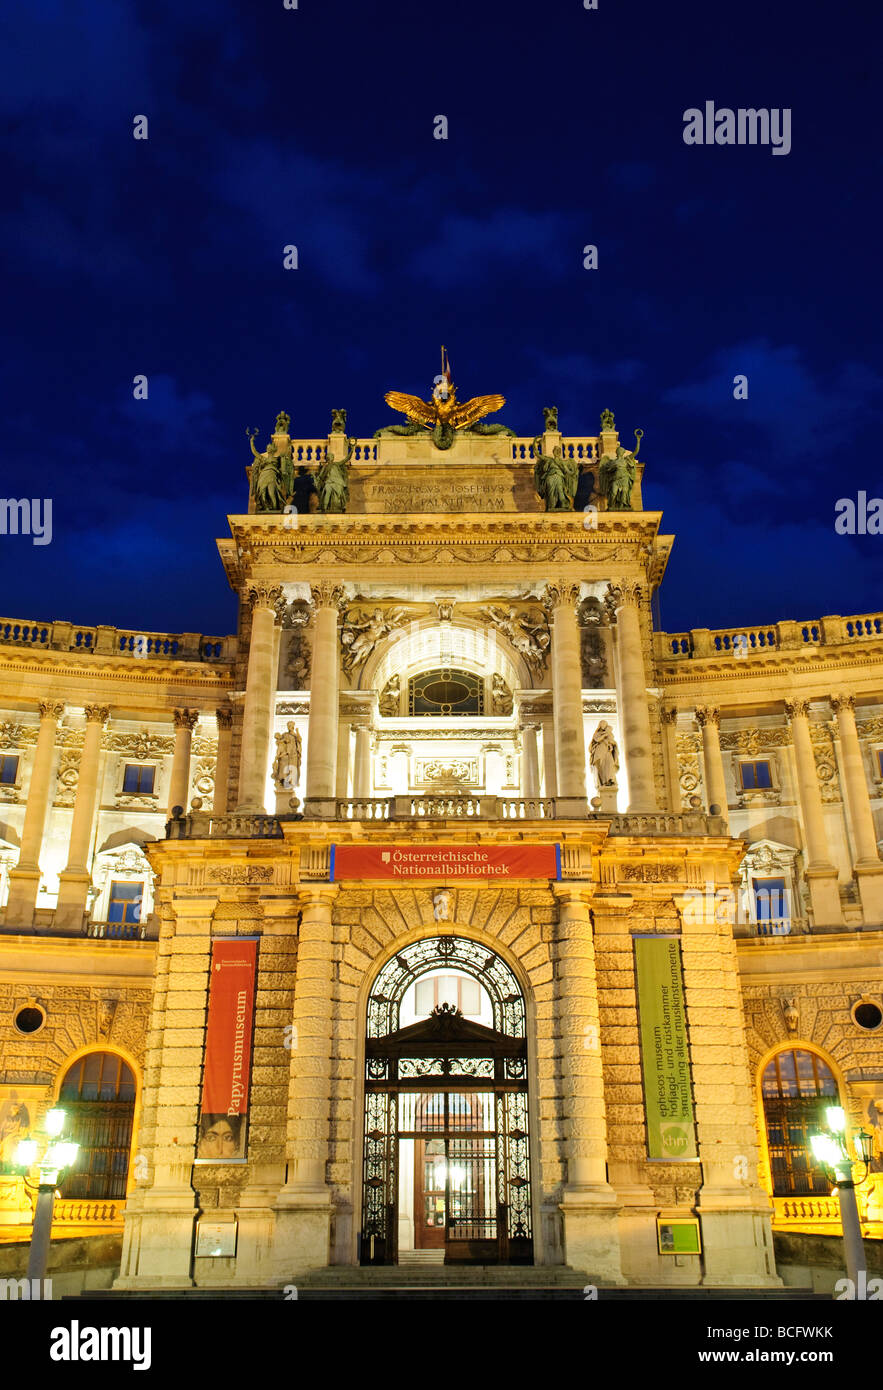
(441, 1061)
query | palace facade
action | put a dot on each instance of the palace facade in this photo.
(554, 932)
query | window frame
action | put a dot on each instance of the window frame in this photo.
(139, 790)
(16, 780)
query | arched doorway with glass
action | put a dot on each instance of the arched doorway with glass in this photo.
(98, 1095)
(446, 1170)
(796, 1086)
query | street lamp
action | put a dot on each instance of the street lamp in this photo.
(59, 1156)
(830, 1149)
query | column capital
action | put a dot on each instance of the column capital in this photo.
(316, 894)
(669, 716)
(796, 709)
(262, 594)
(572, 894)
(97, 714)
(627, 593)
(845, 702)
(224, 718)
(51, 709)
(185, 718)
(706, 714)
(327, 594)
(560, 593)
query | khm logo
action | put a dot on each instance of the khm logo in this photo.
(674, 1139)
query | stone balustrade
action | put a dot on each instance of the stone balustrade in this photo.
(702, 642)
(113, 641)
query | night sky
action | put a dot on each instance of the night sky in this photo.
(314, 127)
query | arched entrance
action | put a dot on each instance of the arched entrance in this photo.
(446, 1156)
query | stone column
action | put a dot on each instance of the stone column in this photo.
(819, 871)
(633, 696)
(24, 879)
(222, 762)
(530, 761)
(179, 782)
(75, 880)
(324, 688)
(589, 1204)
(260, 691)
(715, 784)
(304, 1206)
(867, 867)
(567, 695)
(670, 745)
(550, 781)
(362, 770)
(343, 759)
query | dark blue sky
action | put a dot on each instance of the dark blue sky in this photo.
(315, 127)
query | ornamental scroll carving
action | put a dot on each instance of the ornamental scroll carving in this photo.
(245, 873)
(649, 873)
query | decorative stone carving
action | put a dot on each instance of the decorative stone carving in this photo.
(287, 763)
(704, 714)
(204, 778)
(260, 594)
(390, 696)
(527, 632)
(604, 756)
(839, 702)
(326, 594)
(106, 1009)
(68, 776)
(224, 718)
(441, 905)
(669, 716)
(361, 633)
(627, 593)
(445, 612)
(244, 873)
(822, 739)
(141, 746)
(97, 714)
(185, 718)
(298, 661)
(753, 742)
(649, 873)
(501, 696)
(794, 709)
(791, 1014)
(446, 773)
(50, 709)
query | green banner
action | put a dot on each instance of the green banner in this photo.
(665, 1057)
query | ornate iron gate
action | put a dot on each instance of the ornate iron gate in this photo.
(461, 1088)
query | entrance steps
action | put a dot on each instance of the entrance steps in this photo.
(421, 1257)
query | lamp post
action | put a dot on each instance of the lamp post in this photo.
(830, 1149)
(60, 1154)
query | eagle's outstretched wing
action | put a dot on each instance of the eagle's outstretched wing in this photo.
(466, 414)
(418, 412)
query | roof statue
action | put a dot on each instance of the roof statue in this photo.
(443, 415)
(616, 476)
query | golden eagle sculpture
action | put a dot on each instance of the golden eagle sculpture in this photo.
(443, 415)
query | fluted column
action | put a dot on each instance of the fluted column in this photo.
(670, 743)
(179, 782)
(24, 879)
(589, 1204)
(530, 762)
(260, 691)
(635, 714)
(715, 783)
(75, 880)
(304, 1205)
(324, 688)
(222, 761)
(567, 692)
(820, 872)
(362, 769)
(867, 867)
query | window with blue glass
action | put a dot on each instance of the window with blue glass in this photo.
(755, 776)
(138, 778)
(125, 902)
(770, 905)
(8, 769)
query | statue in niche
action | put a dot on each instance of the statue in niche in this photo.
(550, 419)
(390, 697)
(332, 481)
(286, 764)
(616, 476)
(501, 695)
(555, 477)
(604, 756)
(297, 667)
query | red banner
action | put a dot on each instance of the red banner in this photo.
(227, 1066)
(445, 861)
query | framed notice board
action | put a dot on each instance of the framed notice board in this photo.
(678, 1235)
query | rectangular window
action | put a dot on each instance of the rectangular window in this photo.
(138, 779)
(755, 776)
(771, 907)
(125, 902)
(8, 769)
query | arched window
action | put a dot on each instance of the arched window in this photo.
(796, 1086)
(98, 1094)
